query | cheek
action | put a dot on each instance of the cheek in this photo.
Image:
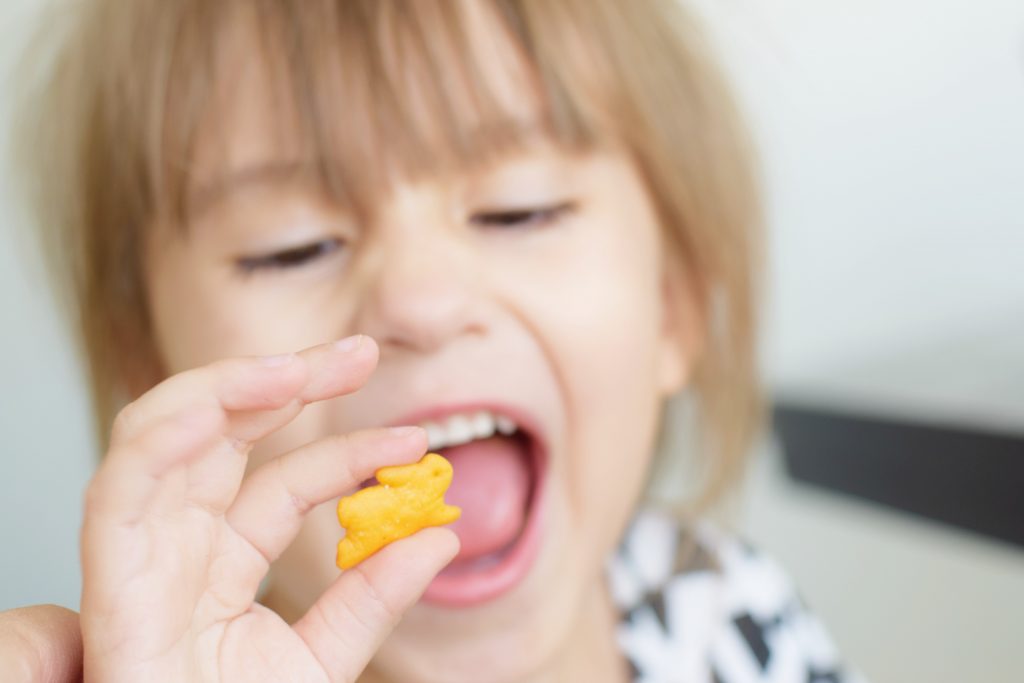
(597, 307)
(195, 311)
(609, 359)
(202, 312)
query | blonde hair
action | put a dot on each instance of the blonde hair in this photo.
(109, 137)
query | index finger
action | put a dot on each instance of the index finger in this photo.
(206, 418)
(271, 384)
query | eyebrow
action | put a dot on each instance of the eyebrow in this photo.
(273, 173)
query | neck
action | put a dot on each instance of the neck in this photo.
(592, 653)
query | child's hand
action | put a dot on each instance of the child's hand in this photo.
(175, 543)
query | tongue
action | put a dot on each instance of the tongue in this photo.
(491, 484)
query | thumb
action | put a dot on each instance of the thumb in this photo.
(350, 621)
(40, 644)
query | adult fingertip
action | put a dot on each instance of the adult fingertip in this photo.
(43, 642)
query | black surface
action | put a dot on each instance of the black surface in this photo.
(973, 480)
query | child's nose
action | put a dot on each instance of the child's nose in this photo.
(421, 293)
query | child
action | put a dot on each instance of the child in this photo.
(530, 224)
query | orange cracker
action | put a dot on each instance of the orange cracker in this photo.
(407, 499)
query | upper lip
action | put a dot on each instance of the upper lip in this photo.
(527, 422)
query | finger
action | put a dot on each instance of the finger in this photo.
(348, 623)
(247, 397)
(274, 499)
(231, 384)
(133, 471)
(246, 385)
(333, 369)
(40, 643)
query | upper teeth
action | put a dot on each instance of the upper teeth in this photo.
(465, 427)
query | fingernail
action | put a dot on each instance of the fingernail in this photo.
(349, 344)
(403, 431)
(277, 361)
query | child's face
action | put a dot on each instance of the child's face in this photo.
(533, 290)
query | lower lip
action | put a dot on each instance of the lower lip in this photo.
(470, 587)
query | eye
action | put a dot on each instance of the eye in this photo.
(525, 217)
(293, 257)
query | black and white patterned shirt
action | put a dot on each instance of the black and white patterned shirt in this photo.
(701, 607)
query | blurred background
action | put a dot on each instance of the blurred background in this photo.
(892, 136)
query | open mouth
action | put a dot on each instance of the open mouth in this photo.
(499, 462)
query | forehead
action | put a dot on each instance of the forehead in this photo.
(361, 99)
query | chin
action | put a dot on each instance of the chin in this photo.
(504, 639)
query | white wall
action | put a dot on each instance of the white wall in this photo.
(893, 142)
(46, 455)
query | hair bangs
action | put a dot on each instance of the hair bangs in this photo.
(371, 92)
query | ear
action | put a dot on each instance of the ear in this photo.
(683, 329)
